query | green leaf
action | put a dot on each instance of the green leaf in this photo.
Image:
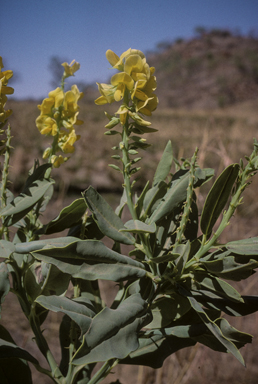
(115, 167)
(68, 217)
(239, 339)
(9, 375)
(118, 346)
(215, 330)
(91, 259)
(36, 245)
(45, 279)
(244, 247)
(79, 313)
(38, 172)
(154, 347)
(6, 249)
(167, 309)
(183, 250)
(4, 283)
(10, 350)
(137, 226)
(25, 201)
(192, 226)
(9, 194)
(152, 198)
(139, 200)
(141, 129)
(21, 373)
(175, 195)
(123, 202)
(91, 292)
(216, 285)
(115, 320)
(202, 176)
(225, 265)
(64, 337)
(108, 222)
(164, 165)
(231, 333)
(218, 197)
(249, 305)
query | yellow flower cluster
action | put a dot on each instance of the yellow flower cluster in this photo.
(136, 79)
(58, 115)
(4, 90)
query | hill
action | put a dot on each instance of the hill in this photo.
(214, 69)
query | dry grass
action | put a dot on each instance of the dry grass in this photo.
(223, 136)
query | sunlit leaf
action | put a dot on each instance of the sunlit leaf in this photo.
(115, 320)
(91, 259)
(137, 226)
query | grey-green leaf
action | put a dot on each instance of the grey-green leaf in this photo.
(10, 350)
(228, 268)
(6, 249)
(108, 222)
(68, 217)
(244, 247)
(216, 285)
(4, 283)
(164, 165)
(25, 201)
(79, 313)
(155, 346)
(92, 260)
(137, 226)
(218, 197)
(167, 309)
(174, 196)
(215, 330)
(114, 320)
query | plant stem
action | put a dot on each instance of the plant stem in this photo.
(126, 170)
(44, 348)
(73, 335)
(3, 198)
(128, 188)
(103, 371)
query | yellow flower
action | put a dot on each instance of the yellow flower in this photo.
(4, 90)
(107, 94)
(58, 160)
(136, 77)
(46, 125)
(147, 107)
(46, 106)
(118, 62)
(112, 57)
(67, 145)
(71, 68)
(123, 112)
(57, 96)
(121, 81)
(71, 99)
(138, 119)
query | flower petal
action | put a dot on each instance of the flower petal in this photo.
(122, 78)
(112, 57)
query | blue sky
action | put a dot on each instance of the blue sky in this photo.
(34, 30)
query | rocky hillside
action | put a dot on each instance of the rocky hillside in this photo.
(215, 69)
